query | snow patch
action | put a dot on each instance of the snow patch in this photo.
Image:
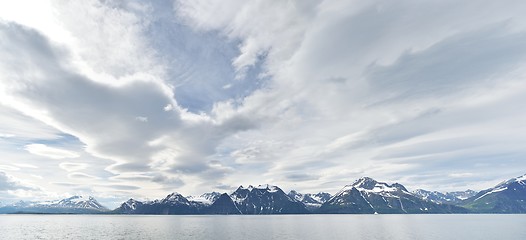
(491, 192)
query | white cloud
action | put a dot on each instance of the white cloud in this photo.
(19, 126)
(24, 165)
(50, 152)
(102, 115)
(168, 107)
(81, 176)
(327, 91)
(9, 168)
(352, 80)
(8, 183)
(73, 166)
(141, 119)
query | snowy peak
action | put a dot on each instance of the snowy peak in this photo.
(365, 183)
(307, 198)
(205, 198)
(131, 204)
(173, 203)
(22, 204)
(265, 187)
(321, 197)
(311, 201)
(211, 196)
(367, 195)
(74, 204)
(447, 197)
(268, 187)
(242, 192)
(517, 184)
(175, 199)
(88, 202)
(370, 185)
(432, 196)
(506, 197)
(520, 180)
(265, 199)
(249, 188)
(462, 195)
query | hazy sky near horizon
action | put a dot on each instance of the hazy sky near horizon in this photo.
(120, 99)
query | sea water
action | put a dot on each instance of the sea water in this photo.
(388, 227)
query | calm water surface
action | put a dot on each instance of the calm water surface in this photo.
(389, 227)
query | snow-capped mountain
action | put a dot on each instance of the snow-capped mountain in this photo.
(366, 195)
(447, 197)
(311, 201)
(130, 205)
(507, 197)
(74, 204)
(173, 203)
(205, 198)
(462, 195)
(80, 202)
(265, 199)
(174, 199)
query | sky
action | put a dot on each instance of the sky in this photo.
(120, 99)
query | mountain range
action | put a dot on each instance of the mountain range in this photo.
(363, 196)
(366, 195)
(72, 205)
(447, 197)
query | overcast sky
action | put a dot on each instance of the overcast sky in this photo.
(120, 99)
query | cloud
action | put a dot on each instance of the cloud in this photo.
(194, 94)
(142, 119)
(9, 168)
(81, 176)
(224, 187)
(492, 51)
(19, 126)
(168, 181)
(7, 183)
(73, 166)
(301, 177)
(124, 140)
(121, 187)
(24, 165)
(50, 152)
(350, 88)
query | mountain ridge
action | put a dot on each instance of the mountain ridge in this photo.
(71, 205)
(363, 196)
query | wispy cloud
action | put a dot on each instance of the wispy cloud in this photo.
(197, 95)
(50, 152)
(72, 166)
